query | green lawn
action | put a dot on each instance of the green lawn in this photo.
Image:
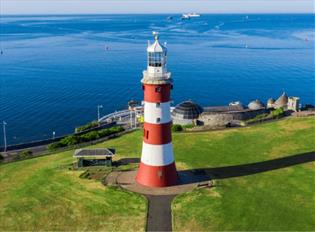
(43, 194)
(278, 200)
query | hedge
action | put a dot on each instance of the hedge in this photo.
(88, 126)
(93, 135)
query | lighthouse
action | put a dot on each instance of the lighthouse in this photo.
(157, 167)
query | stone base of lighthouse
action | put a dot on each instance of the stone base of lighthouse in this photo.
(157, 176)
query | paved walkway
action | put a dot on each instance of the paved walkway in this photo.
(159, 199)
(159, 213)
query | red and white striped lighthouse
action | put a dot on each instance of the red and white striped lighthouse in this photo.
(157, 167)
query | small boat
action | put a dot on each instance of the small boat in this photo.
(193, 15)
(169, 18)
(190, 15)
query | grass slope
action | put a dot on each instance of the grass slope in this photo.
(279, 200)
(43, 194)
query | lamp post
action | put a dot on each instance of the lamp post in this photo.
(98, 112)
(53, 134)
(4, 136)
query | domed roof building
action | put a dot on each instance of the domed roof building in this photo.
(282, 101)
(186, 112)
(255, 105)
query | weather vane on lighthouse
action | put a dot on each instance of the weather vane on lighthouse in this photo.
(156, 35)
(157, 167)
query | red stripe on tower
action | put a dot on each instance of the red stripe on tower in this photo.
(157, 133)
(157, 167)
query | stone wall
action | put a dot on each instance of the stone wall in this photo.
(305, 113)
(182, 121)
(222, 119)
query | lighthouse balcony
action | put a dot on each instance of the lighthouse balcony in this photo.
(156, 78)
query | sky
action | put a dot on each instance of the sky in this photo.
(153, 6)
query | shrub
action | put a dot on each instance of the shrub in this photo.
(1, 158)
(89, 136)
(257, 118)
(92, 135)
(261, 116)
(55, 145)
(278, 113)
(189, 126)
(90, 125)
(177, 128)
(103, 132)
(70, 140)
(24, 154)
(109, 131)
(116, 129)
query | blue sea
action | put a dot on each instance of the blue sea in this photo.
(55, 70)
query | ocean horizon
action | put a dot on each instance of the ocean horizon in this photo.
(56, 69)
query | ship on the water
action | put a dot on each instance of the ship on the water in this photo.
(190, 15)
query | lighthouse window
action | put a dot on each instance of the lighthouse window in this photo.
(158, 89)
(155, 59)
(158, 105)
(146, 133)
(158, 120)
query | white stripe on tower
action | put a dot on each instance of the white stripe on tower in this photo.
(157, 113)
(157, 155)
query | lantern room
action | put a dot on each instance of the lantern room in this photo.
(157, 54)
